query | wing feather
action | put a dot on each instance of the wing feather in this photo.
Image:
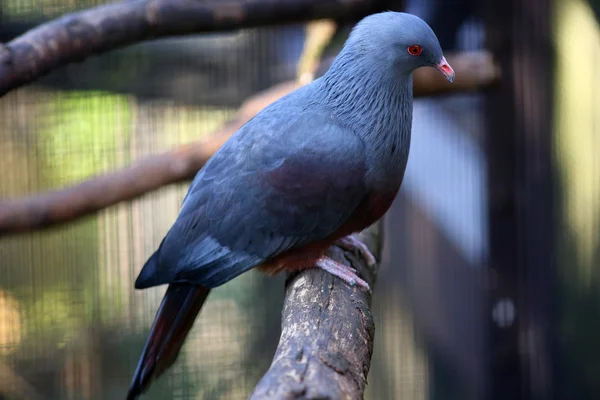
(269, 189)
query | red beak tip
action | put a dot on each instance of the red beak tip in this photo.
(446, 69)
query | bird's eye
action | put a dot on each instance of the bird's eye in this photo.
(415, 50)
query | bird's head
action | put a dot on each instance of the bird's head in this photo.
(403, 41)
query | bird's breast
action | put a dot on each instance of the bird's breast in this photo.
(370, 210)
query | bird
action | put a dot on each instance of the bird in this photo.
(310, 170)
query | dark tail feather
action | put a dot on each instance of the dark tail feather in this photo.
(180, 306)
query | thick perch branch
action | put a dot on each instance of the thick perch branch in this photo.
(474, 71)
(77, 36)
(327, 332)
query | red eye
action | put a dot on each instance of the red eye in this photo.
(414, 50)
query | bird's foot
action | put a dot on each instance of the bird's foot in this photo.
(345, 273)
(351, 243)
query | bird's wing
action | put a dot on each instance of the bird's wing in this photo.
(272, 187)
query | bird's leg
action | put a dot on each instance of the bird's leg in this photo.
(351, 243)
(345, 273)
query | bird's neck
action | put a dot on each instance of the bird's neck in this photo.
(373, 98)
(376, 102)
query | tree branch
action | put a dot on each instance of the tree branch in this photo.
(77, 36)
(474, 71)
(327, 332)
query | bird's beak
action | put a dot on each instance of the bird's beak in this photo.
(445, 69)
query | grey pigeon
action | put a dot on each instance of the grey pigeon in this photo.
(308, 171)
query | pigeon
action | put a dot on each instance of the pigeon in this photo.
(310, 170)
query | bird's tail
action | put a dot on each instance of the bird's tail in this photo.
(180, 306)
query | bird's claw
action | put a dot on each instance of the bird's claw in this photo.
(344, 272)
(351, 243)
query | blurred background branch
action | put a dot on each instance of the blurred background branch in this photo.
(318, 36)
(77, 36)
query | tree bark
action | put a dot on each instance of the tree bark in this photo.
(327, 332)
(79, 35)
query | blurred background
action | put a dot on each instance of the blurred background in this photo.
(490, 285)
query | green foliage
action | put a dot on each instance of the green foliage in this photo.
(80, 135)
